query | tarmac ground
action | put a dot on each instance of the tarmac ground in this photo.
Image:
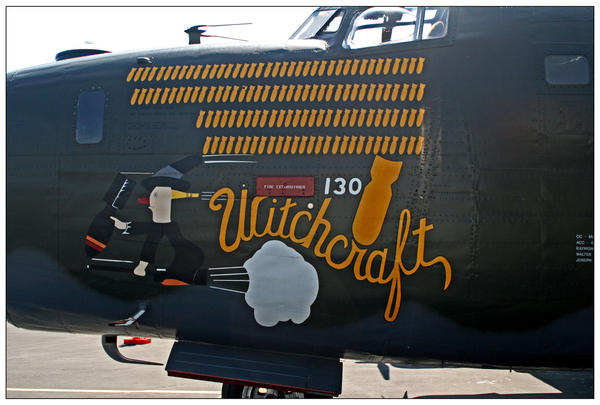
(62, 365)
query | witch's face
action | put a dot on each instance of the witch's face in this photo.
(160, 205)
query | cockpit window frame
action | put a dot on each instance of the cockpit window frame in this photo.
(418, 32)
(330, 14)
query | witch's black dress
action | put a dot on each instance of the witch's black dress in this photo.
(188, 257)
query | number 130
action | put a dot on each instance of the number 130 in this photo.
(339, 186)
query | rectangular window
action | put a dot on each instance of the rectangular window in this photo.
(567, 70)
(90, 117)
(435, 22)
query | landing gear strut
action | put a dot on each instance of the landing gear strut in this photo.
(231, 391)
(239, 391)
(264, 393)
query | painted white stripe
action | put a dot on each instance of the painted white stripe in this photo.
(228, 154)
(229, 161)
(226, 289)
(112, 391)
(112, 260)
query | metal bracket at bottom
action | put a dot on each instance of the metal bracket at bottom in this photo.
(109, 344)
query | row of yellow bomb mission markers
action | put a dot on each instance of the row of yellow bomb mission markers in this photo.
(309, 118)
(314, 145)
(280, 93)
(333, 67)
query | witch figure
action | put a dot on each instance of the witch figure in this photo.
(165, 186)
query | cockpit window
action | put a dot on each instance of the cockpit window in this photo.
(389, 25)
(90, 117)
(378, 25)
(334, 24)
(435, 22)
(320, 19)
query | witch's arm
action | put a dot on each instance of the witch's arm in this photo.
(123, 226)
(132, 227)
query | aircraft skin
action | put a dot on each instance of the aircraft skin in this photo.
(426, 200)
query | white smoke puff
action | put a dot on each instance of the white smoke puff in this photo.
(282, 285)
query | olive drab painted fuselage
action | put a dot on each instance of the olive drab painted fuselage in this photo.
(417, 199)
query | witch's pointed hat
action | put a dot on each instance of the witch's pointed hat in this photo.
(171, 175)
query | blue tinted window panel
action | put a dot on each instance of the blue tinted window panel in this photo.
(567, 70)
(90, 117)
